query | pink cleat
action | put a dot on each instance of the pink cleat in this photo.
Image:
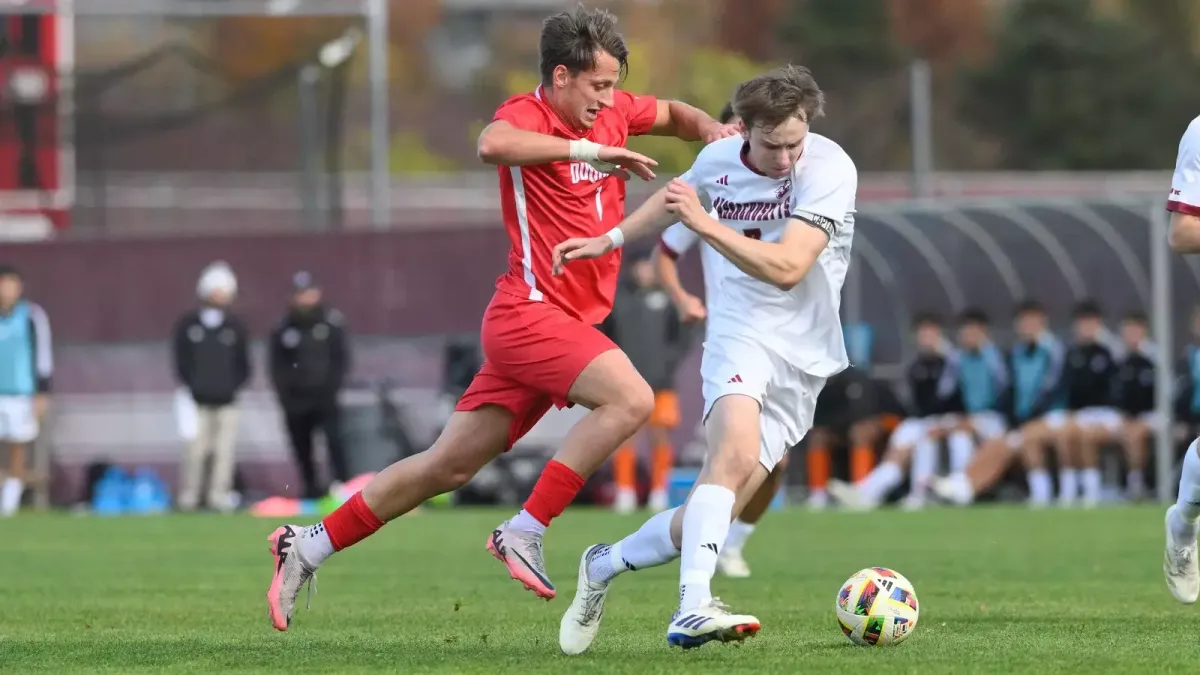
(291, 574)
(521, 553)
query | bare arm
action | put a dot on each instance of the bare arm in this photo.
(781, 264)
(1185, 232)
(686, 122)
(503, 144)
(667, 268)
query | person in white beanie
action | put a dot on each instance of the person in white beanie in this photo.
(212, 362)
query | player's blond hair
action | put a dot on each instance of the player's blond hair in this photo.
(775, 97)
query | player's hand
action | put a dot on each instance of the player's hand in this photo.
(623, 162)
(718, 131)
(580, 249)
(683, 201)
(691, 309)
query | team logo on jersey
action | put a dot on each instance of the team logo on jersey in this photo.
(784, 190)
(582, 171)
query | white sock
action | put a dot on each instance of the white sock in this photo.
(526, 523)
(962, 448)
(10, 496)
(962, 492)
(1187, 506)
(315, 545)
(1093, 482)
(1040, 488)
(649, 546)
(1068, 484)
(705, 527)
(739, 532)
(924, 464)
(882, 480)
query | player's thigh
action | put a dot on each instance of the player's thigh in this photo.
(20, 423)
(733, 437)
(1101, 423)
(908, 433)
(507, 410)
(610, 378)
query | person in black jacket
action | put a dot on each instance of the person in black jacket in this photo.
(1136, 400)
(310, 358)
(1090, 417)
(646, 325)
(212, 362)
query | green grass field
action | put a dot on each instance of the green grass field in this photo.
(1001, 590)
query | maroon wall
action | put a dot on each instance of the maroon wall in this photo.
(389, 283)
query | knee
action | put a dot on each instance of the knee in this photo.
(638, 403)
(733, 463)
(447, 472)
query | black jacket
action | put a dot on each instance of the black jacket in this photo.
(310, 355)
(925, 384)
(646, 326)
(1089, 377)
(213, 363)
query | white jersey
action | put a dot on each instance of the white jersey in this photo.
(801, 325)
(1185, 183)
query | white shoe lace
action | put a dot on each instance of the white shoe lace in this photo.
(1181, 560)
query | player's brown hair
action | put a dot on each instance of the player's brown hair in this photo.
(772, 99)
(572, 39)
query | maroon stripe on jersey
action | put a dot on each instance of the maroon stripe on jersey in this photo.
(1183, 207)
(667, 250)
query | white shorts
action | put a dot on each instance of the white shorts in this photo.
(18, 424)
(1109, 419)
(988, 424)
(912, 430)
(787, 396)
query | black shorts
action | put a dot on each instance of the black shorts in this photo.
(848, 398)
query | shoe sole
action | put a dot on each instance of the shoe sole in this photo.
(279, 620)
(735, 633)
(580, 581)
(522, 574)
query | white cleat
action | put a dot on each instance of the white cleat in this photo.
(659, 501)
(732, 564)
(818, 500)
(912, 502)
(581, 622)
(1180, 566)
(708, 623)
(848, 496)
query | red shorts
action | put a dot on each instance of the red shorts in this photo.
(533, 351)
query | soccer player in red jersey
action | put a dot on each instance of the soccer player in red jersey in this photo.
(562, 163)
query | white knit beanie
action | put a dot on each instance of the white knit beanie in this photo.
(218, 276)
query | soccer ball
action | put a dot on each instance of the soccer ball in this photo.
(877, 606)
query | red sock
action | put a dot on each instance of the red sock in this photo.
(555, 489)
(351, 523)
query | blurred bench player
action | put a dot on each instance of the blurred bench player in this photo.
(1179, 557)
(1135, 400)
(956, 394)
(561, 159)
(1035, 364)
(646, 325)
(785, 199)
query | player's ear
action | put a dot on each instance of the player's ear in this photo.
(561, 76)
(745, 132)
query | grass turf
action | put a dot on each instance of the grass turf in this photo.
(1002, 590)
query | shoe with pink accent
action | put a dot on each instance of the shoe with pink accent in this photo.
(291, 574)
(521, 553)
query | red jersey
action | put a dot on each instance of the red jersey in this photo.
(547, 204)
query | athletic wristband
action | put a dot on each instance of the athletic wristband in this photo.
(617, 236)
(584, 151)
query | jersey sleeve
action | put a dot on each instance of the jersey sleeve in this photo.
(1185, 182)
(700, 175)
(677, 239)
(639, 111)
(524, 113)
(825, 198)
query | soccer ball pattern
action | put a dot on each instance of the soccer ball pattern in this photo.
(877, 607)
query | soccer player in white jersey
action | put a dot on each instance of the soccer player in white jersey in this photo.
(1179, 559)
(785, 200)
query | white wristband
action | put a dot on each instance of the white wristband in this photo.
(584, 151)
(617, 236)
